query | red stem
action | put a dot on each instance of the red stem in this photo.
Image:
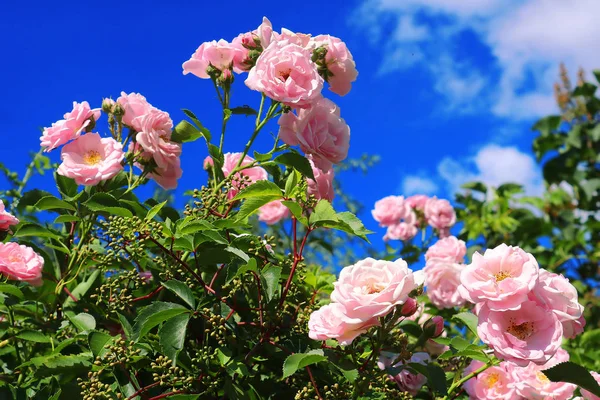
(162, 396)
(155, 291)
(142, 390)
(70, 294)
(297, 259)
(260, 313)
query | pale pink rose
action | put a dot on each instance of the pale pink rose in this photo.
(91, 159)
(273, 212)
(390, 210)
(285, 73)
(406, 380)
(322, 186)
(450, 248)
(21, 263)
(70, 127)
(219, 55)
(557, 294)
(372, 288)
(265, 33)
(319, 131)
(439, 213)
(241, 59)
(6, 219)
(572, 328)
(417, 201)
(331, 322)
(168, 176)
(531, 382)
(401, 231)
(442, 277)
(502, 277)
(527, 334)
(250, 174)
(590, 396)
(495, 383)
(301, 39)
(208, 162)
(135, 106)
(154, 138)
(339, 62)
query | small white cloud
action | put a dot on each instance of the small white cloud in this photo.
(414, 184)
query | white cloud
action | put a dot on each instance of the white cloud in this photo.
(526, 40)
(414, 184)
(493, 165)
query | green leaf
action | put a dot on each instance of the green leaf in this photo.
(437, 379)
(298, 361)
(291, 184)
(172, 335)
(270, 279)
(469, 320)
(243, 110)
(260, 188)
(323, 212)
(547, 125)
(155, 314)
(475, 186)
(356, 226)
(53, 203)
(573, 373)
(34, 336)
(296, 211)
(12, 290)
(82, 288)
(596, 73)
(97, 341)
(182, 290)
(29, 229)
(586, 90)
(251, 205)
(155, 210)
(61, 219)
(184, 397)
(107, 204)
(296, 161)
(260, 157)
(66, 186)
(201, 127)
(508, 189)
(56, 361)
(127, 328)
(238, 253)
(185, 132)
(84, 322)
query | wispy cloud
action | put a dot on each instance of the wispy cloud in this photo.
(415, 184)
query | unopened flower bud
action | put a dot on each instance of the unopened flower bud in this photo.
(118, 110)
(434, 327)
(107, 105)
(409, 308)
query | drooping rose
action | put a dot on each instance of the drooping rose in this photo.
(442, 278)
(70, 127)
(372, 288)
(6, 219)
(285, 73)
(91, 159)
(168, 176)
(339, 61)
(273, 212)
(322, 186)
(439, 213)
(529, 334)
(450, 248)
(331, 322)
(494, 383)
(21, 263)
(219, 55)
(502, 278)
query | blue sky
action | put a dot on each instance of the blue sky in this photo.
(447, 89)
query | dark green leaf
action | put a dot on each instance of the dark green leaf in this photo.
(260, 188)
(83, 287)
(172, 335)
(53, 203)
(243, 110)
(66, 186)
(61, 219)
(34, 336)
(155, 314)
(97, 341)
(185, 132)
(182, 290)
(547, 125)
(105, 203)
(155, 210)
(586, 90)
(296, 161)
(437, 379)
(468, 319)
(251, 205)
(573, 373)
(29, 229)
(298, 361)
(270, 279)
(296, 210)
(12, 290)
(475, 186)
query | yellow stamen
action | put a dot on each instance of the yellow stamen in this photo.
(92, 157)
(542, 377)
(502, 275)
(522, 331)
(492, 379)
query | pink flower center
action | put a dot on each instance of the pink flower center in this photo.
(284, 74)
(15, 258)
(492, 379)
(372, 286)
(521, 331)
(502, 275)
(92, 157)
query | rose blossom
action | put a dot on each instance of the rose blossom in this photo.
(319, 131)
(70, 127)
(502, 277)
(495, 383)
(417, 201)
(251, 175)
(442, 277)
(155, 138)
(21, 263)
(406, 380)
(135, 105)
(590, 396)
(6, 219)
(401, 231)
(273, 212)
(91, 159)
(421, 317)
(390, 210)
(439, 213)
(285, 73)
(167, 177)
(322, 186)
(527, 334)
(531, 382)
(219, 55)
(560, 297)
(450, 248)
(339, 62)
(372, 288)
(331, 322)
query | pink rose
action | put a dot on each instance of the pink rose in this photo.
(135, 106)
(402, 231)
(6, 219)
(531, 382)
(557, 294)
(390, 210)
(167, 177)
(21, 263)
(285, 73)
(91, 159)
(331, 322)
(319, 131)
(154, 138)
(219, 55)
(417, 201)
(70, 127)
(339, 61)
(264, 33)
(495, 383)
(372, 288)
(301, 39)
(450, 248)
(434, 327)
(439, 213)
(249, 175)
(273, 212)
(406, 380)
(527, 334)
(322, 186)
(502, 277)
(442, 278)
(590, 396)
(572, 328)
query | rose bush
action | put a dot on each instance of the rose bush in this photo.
(106, 296)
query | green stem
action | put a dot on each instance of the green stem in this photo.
(26, 177)
(458, 383)
(225, 104)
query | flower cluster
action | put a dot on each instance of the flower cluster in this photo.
(6, 219)
(21, 263)
(363, 293)
(403, 216)
(444, 263)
